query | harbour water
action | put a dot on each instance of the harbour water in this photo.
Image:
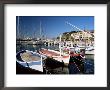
(88, 62)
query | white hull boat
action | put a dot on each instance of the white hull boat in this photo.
(89, 52)
(30, 59)
(59, 56)
(55, 55)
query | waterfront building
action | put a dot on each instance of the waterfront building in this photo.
(82, 37)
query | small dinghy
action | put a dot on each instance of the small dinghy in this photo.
(30, 59)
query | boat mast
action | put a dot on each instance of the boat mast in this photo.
(40, 31)
(60, 45)
(18, 29)
(85, 37)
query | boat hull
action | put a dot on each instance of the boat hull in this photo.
(89, 52)
(36, 65)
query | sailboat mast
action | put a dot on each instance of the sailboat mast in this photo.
(85, 37)
(18, 29)
(60, 45)
(40, 31)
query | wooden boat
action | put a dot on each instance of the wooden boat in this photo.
(61, 57)
(30, 59)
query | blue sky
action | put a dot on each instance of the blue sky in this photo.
(52, 26)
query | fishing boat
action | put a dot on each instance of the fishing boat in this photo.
(55, 55)
(89, 50)
(30, 59)
(62, 55)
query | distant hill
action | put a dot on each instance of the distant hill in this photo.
(67, 35)
(76, 32)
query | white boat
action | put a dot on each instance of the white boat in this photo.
(89, 52)
(63, 55)
(30, 59)
(89, 48)
(57, 55)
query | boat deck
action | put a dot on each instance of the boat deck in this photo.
(49, 53)
(27, 56)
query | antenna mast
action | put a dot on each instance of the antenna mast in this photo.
(18, 29)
